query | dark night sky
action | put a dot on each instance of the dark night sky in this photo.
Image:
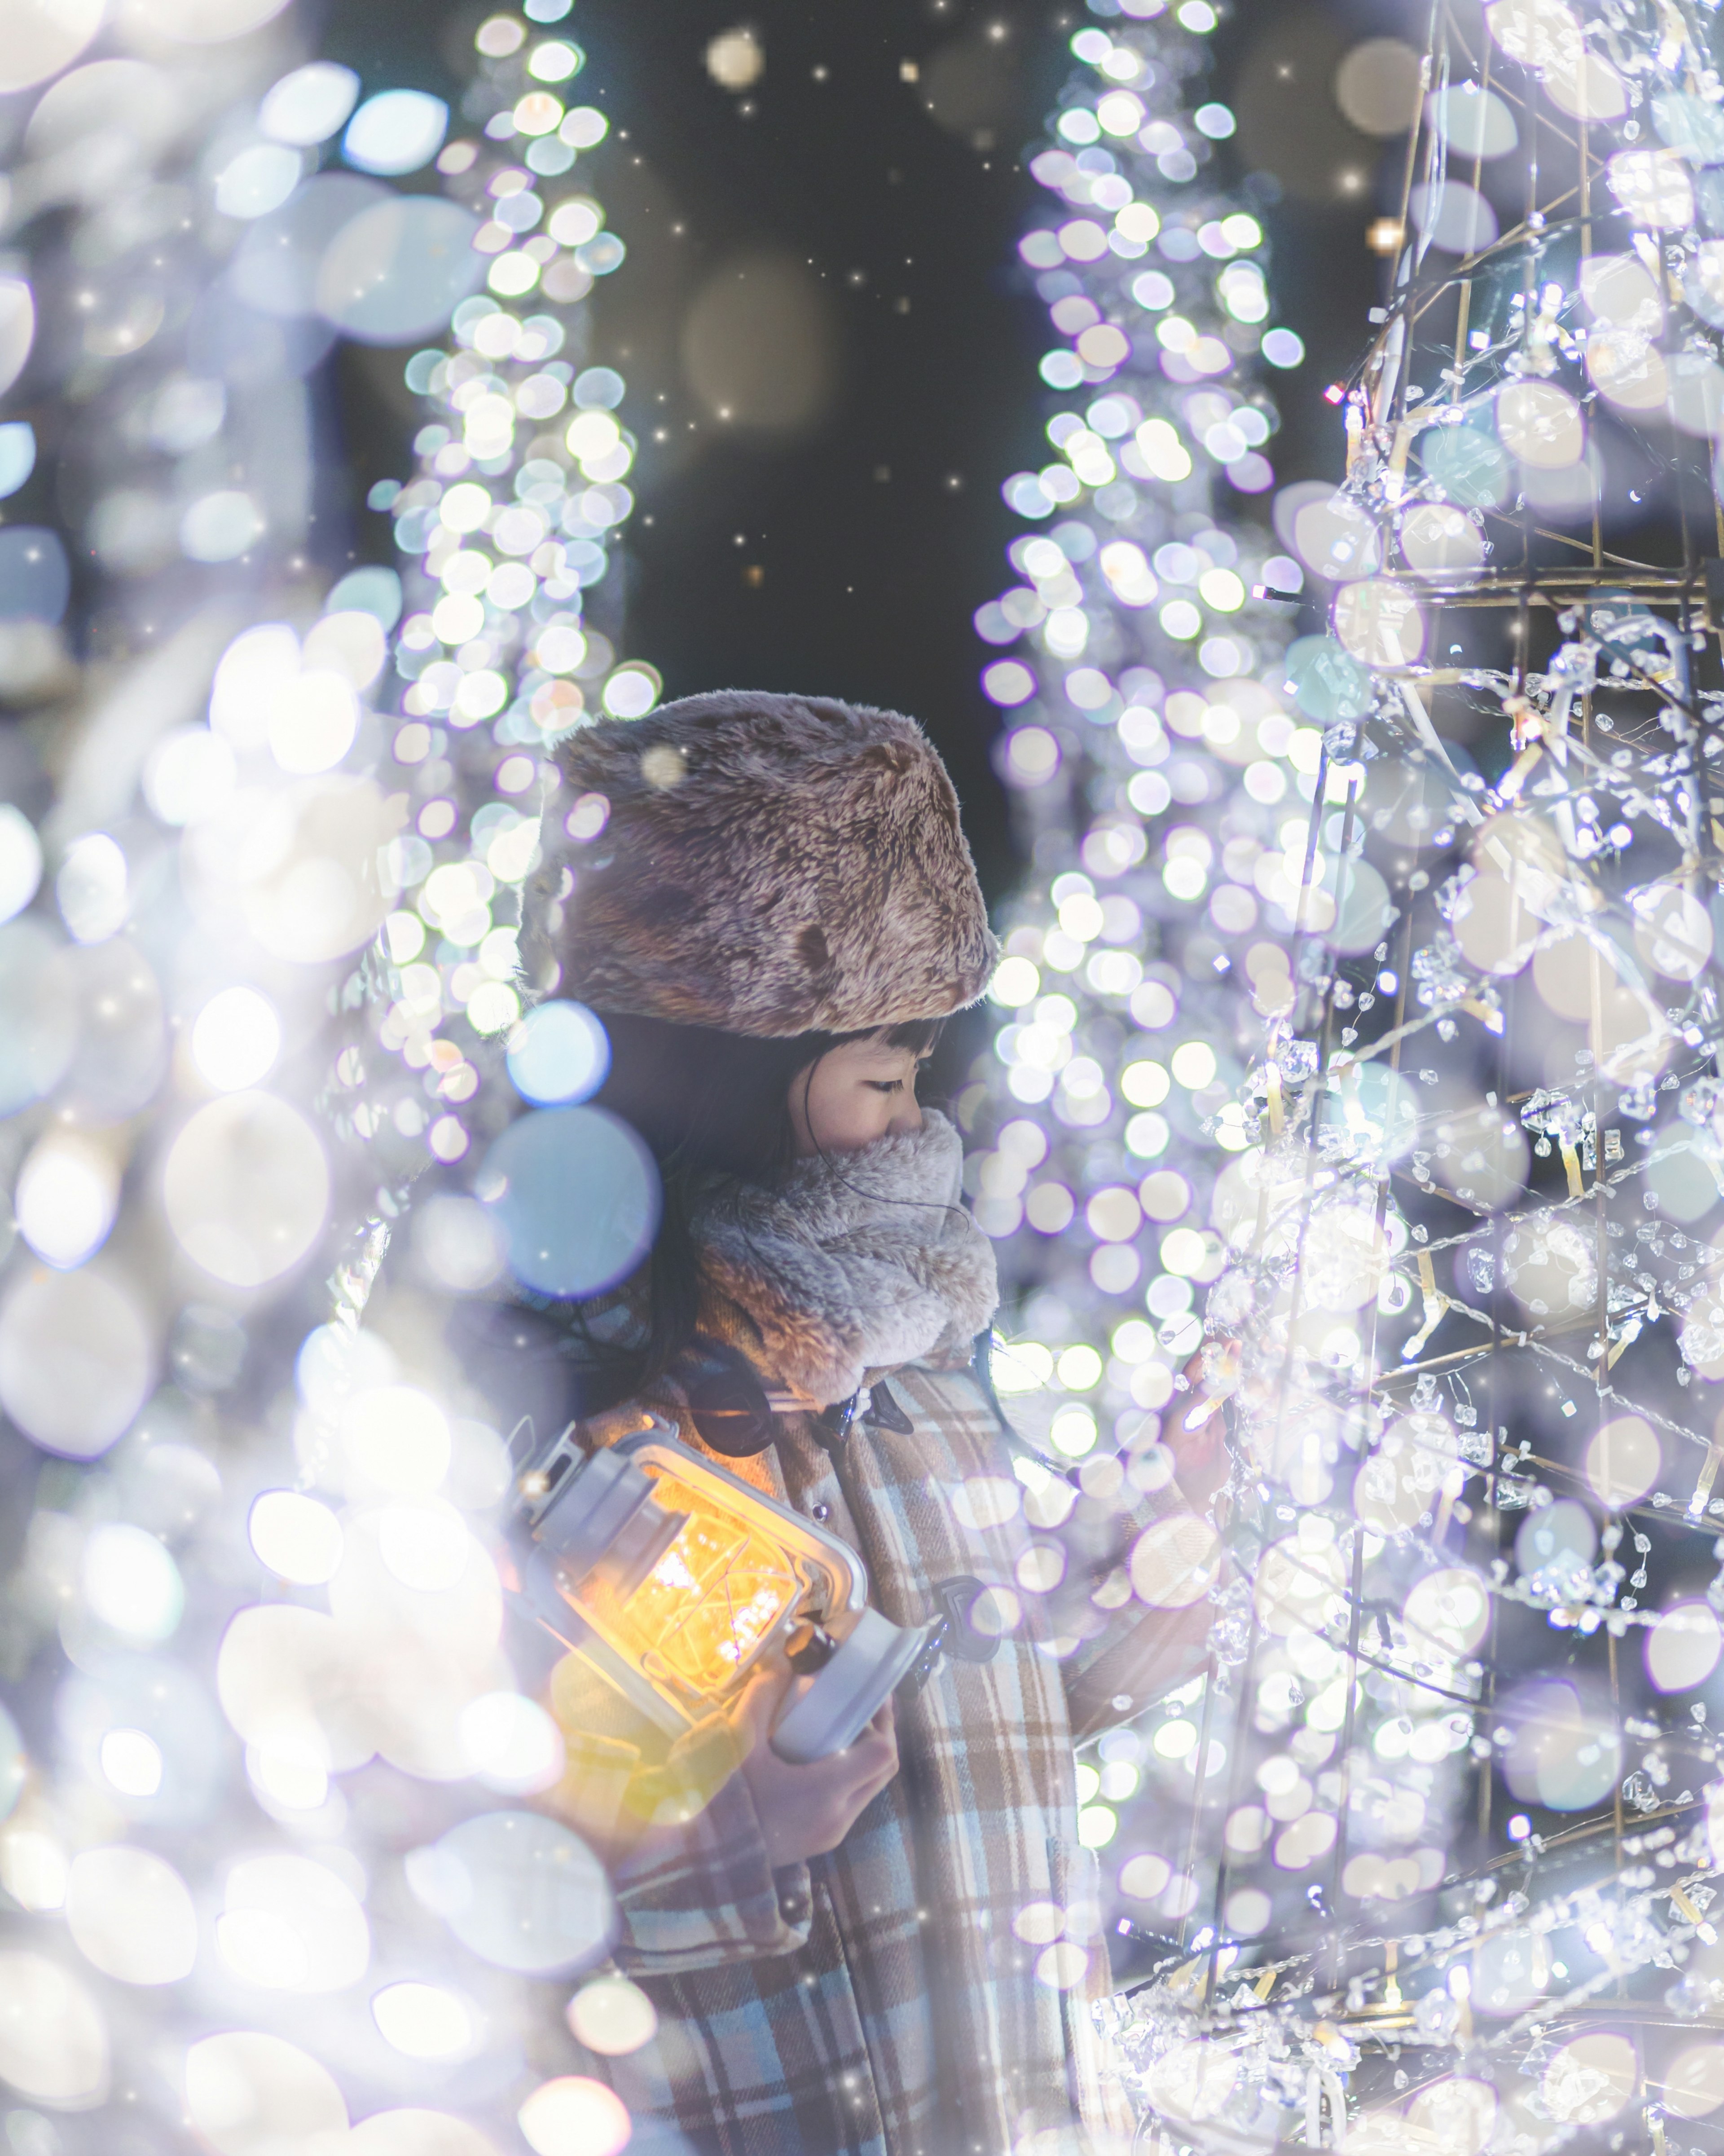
(846, 555)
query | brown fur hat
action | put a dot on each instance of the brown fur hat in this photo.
(772, 864)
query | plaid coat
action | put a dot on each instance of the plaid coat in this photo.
(878, 2001)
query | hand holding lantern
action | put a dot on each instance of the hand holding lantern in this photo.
(807, 1810)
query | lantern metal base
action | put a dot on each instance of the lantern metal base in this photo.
(871, 1662)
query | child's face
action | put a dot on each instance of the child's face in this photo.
(863, 1091)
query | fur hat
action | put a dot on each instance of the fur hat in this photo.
(772, 864)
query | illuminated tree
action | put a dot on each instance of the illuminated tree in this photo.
(1451, 1876)
(265, 1781)
(1163, 785)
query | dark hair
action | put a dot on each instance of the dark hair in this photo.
(707, 1103)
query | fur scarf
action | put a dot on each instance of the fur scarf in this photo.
(858, 1263)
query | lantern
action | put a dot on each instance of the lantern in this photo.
(676, 1583)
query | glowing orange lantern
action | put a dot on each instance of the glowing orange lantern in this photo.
(677, 1582)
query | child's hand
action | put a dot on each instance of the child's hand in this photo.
(807, 1811)
(1194, 1431)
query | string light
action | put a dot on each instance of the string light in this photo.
(260, 968)
(1431, 1856)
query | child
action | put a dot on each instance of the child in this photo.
(851, 1956)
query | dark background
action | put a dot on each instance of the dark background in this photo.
(846, 555)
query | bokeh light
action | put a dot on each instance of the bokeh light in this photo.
(244, 2087)
(131, 1582)
(67, 1196)
(574, 2117)
(297, 1537)
(396, 131)
(576, 1194)
(76, 1361)
(520, 1891)
(246, 1187)
(612, 2016)
(54, 2045)
(131, 1915)
(424, 2021)
(236, 1040)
